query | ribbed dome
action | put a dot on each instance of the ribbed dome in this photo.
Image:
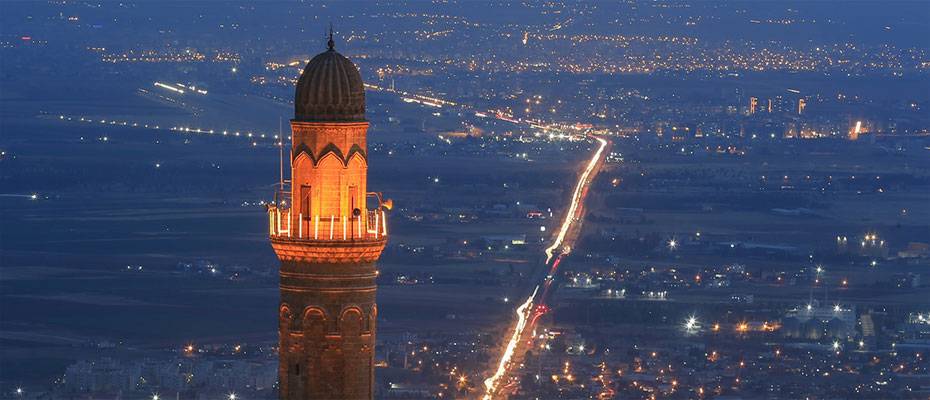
(330, 89)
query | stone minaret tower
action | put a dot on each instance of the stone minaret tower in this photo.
(328, 231)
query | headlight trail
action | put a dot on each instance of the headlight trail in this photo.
(525, 312)
(502, 366)
(576, 200)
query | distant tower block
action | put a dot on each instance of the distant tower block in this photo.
(801, 105)
(328, 231)
(753, 104)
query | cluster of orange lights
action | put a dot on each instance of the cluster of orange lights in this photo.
(744, 327)
(566, 371)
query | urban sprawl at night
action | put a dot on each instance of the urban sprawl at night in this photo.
(465, 200)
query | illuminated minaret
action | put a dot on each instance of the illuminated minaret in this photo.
(328, 231)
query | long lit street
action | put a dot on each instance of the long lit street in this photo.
(520, 333)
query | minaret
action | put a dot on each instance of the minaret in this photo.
(328, 239)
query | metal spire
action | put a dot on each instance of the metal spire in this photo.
(280, 157)
(331, 44)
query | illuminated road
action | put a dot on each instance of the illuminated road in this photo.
(577, 199)
(555, 130)
(527, 313)
(500, 115)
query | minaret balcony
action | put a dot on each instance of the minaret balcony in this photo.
(327, 239)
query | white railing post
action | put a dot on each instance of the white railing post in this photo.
(345, 226)
(270, 223)
(383, 223)
(332, 225)
(376, 225)
(278, 217)
(300, 225)
(358, 230)
(316, 226)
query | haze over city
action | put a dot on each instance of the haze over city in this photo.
(464, 200)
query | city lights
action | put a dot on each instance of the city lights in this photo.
(691, 324)
(742, 327)
(717, 161)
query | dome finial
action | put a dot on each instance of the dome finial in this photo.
(331, 44)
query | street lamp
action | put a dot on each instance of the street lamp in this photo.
(691, 323)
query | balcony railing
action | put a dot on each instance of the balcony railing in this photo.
(369, 225)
